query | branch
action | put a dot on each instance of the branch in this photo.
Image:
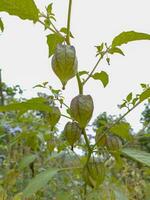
(80, 85)
(112, 125)
(93, 70)
(68, 22)
(54, 30)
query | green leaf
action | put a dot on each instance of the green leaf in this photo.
(25, 9)
(39, 181)
(52, 41)
(145, 95)
(25, 106)
(138, 155)
(26, 160)
(116, 50)
(129, 36)
(1, 25)
(129, 97)
(64, 30)
(143, 85)
(123, 130)
(49, 8)
(100, 48)
(102, 76)
(82, 73)
(37, 100)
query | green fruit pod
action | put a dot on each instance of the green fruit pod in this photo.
(64, 63)
(94, 174)
(72, 132)
(81, 109)
(53, 117)
(113, 143)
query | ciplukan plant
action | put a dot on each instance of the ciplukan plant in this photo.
(64, 63)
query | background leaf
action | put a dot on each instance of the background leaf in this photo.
(129, 36)
(39, 182)
(31, 104)
(102, 76)
(123, 130)
(25, 9)
(138, 155)
(52, 41)
(26, 160)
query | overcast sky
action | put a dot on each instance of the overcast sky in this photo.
(24, 53)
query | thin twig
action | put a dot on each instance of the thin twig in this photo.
(68, 22)
(66, 116)
(44, 25)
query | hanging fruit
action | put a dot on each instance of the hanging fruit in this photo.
(81, 109)
(94, 174)
(72, 132)
(53, 117)
(113, 143)
(64, 63)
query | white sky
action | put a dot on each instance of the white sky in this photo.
(24, 53)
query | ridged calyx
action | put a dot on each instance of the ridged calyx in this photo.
(111, 142)
(72, 132)
(81, 109)
(64, 63)
(94, 174)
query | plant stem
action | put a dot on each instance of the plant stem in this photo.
(91, 73)
(68, 22)
(53, 30)
(47, 27)
(85, 191)
(80, 85)
(66, 116)
(86, 140)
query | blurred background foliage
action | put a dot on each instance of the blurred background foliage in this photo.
(28, 146)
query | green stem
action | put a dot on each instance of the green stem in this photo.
(68, 22)
(90, 150)
(96, 65)
(47, 27)
(86, 139)
(66, 116)
(54, 30)
(85, 191)
(91, 73)
(80, 85)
